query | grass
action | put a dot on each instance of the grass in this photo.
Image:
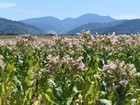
(7, 37)
(40, 36)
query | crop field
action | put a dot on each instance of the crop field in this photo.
(83, 70)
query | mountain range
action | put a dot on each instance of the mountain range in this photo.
(52, 24)
(15, 27)
(93, 22)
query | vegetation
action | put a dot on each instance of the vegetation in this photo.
(85, 70)
(9, 27)
(118, 26)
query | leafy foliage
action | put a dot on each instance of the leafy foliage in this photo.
(85, 70)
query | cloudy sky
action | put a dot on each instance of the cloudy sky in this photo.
(23, 9)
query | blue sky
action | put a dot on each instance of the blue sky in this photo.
(24, 9)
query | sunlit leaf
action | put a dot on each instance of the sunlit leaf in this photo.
(105, 102)
(133, 101)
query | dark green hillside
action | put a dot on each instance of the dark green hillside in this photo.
(119, 26)
(14, 27)
(127, 27)
(95, 27)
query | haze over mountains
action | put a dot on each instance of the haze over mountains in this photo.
(93, 22)
(52, 24)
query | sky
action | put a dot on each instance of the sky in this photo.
(24, 9)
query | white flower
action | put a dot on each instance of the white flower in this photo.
(123, 82)
(137, 74)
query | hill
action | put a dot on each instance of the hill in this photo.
(92, 22)
(118, 26)
(46, 24)
(15, 27)
(127, 27)
(49, 23)
(95, 27)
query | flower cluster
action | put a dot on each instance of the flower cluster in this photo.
(69, 63)
(117, 73)
(110, 42)
(25, 40)
(2, 63)
(72, 64)
(65, 44)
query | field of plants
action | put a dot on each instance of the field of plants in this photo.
(83, 70)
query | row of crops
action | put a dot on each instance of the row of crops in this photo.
(84, 70)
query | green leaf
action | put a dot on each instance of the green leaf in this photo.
(72, 85)
(36, 103)
(133, 101)
(30, 73)
(105, 102)
(3, 88)
(74, 98)
(51, 83)
(27, 81)
(11, 67)
(50, 100)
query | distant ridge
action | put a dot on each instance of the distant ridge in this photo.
(15, 27)
(127, 27)
(93, 22)
(118, 26)
(96, 27)
(49, 23)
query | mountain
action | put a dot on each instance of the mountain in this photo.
(15, 27)
(118, 26)
(92, 22)
(127, 27)
(49, 23)
(95, 27)
(72, 23)
(46, 24)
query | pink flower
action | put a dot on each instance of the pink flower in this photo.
(81, 66)
(123, 82)
(137, 74)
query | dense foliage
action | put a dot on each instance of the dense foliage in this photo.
(85, 70)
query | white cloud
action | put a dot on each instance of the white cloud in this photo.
(6, 5)
(125, 16)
